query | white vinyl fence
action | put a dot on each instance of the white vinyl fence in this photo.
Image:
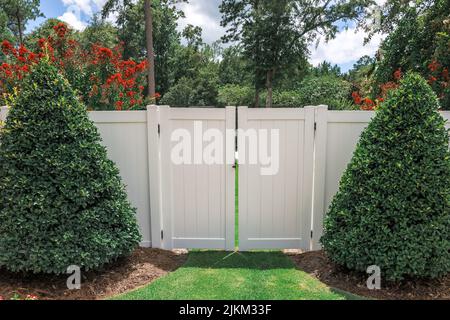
(193, 205)
(337, 134)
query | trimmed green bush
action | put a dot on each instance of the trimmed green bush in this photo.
(328, 90)
(236, 95)
(62, 201)
(179, 94)
(393, 206)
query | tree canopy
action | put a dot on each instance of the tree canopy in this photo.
(275, 33)
(17, 13)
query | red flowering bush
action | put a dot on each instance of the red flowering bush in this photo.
(366, 104)
(103, 80)
(369, 104)
(438, 79)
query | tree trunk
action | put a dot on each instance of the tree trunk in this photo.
(269, 84)
(150, 50)
(257, 98)
(19, 27)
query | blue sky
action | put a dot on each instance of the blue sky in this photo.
(344, 51)
(51, 9)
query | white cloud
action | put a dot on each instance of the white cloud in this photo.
(73, 20)
(77, 8)
(205, 14)
(347, 47)
(88, 7)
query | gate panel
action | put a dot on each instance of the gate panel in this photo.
(197, 198)
(275, 210)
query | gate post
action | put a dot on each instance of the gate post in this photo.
(320, 147)
(154, 169)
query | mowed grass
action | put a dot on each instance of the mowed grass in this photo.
(213, 275)
(216, 275)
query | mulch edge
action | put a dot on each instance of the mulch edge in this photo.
(142, 268)
(317, 265)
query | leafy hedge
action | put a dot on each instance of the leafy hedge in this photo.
(327, 90)
(393, 206)
(236, 95)
(62, 201)
(201, 91)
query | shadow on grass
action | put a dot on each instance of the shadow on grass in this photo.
(263, 260)
(218, 275)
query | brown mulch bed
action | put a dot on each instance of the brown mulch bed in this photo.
(141, 268)
(318, 265)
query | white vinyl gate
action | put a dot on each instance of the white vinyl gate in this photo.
(196, 205)
(275, 209)
(195, 202)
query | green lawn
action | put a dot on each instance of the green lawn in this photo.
(213, 275)
(217, 275)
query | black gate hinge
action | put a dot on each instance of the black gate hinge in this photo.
(159, 129)
(315, 126)
(162, 235)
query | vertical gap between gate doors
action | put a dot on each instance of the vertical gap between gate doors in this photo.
(236, 165)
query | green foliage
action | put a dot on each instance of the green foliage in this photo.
(5, 32)
(44, 31)
(18, 13)
(62, 201)
(193, 36)
(272, 38)
(327, 90)
(131, 31)
(178, 95)
(443, 54)
(234, 67)
(326, 69)
(201, 91)
(99, 31)
(235, 95)
(361, 75)
(399, 50)
(417, 35)
(195, 74)
(392, 209)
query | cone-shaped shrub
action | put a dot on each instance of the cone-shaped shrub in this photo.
(62, 201)
(392, 209)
